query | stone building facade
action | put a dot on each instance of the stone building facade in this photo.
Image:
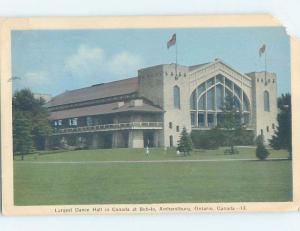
(152, 108)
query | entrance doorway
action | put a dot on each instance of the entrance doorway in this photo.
(107, 140)
(148, 139)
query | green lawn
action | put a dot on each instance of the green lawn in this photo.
(47, 183)
(139, 154)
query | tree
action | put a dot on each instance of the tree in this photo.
(231, 122)
(261, 151)
(185, 143)
(282, 139)
(22, 138)
(30, 122)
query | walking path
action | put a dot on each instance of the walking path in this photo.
(139, 161)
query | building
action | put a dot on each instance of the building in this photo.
(152, 108)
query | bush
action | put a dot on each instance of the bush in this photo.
(215, 138)
(261, 152)
(205, 139)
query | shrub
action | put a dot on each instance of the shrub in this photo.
(217, 137)
(261, 151)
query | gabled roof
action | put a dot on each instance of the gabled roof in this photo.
(198, 67)
(99, 91)
(103, 109)
(194, 67)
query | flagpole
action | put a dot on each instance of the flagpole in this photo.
(176, 59)
(266, 67)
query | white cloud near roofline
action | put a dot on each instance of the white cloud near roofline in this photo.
(33, 79)
(93, 63)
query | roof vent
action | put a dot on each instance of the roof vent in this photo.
(136, 103)
(120, 104)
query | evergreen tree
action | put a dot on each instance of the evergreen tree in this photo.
(261, 152)
(231, 122)
(282, 139)
(22, 138)
(30, 122)
(185, 144)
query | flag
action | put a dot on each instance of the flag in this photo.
(172, 41)
(262, 50)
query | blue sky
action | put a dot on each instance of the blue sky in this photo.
(52, 61)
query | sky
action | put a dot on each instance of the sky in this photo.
(53, 61)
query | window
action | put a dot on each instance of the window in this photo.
(220, 79)
(177, 128)
(171, 141)
(237, 90)
(201, 120)
(220, 96)
(207, 101)
(170, 125)
(246, 103)
(267, 128)
(210, 120)
(228, 83)
(201, 103)
(59, 122)
(55, 123)
(176, 94)
(273, 126)
(193, 101)
(211, 99)
(201, 89)
(261, 132)
(210, 82)
(89, 121)
(73, 122)
(266, 101)
(193, 119)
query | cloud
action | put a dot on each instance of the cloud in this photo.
(123, 62)
(85, 61)
(92, 63)
(35, 80)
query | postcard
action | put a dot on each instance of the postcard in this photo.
(148, 114)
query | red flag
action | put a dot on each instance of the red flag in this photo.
(172, 41)
(262, 50)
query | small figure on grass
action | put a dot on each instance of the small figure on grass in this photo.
(147, 148)
(261, 152)
(185, 144)
(147, 151)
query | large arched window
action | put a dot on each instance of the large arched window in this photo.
(266, 101)
(176, 94)
(207, 102)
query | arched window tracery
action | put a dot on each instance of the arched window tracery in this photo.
(208, 98)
